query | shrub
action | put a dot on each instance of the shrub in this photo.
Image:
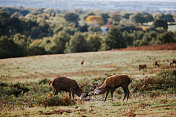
(44, 81)
(45, 100)
(13, 89)
(163, 81)
(168, 79)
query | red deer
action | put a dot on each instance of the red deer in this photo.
(82, 62)
(113, 82)
(144, 66)
(174, 62)
(68, 85)
(155, 63)
(169, 63)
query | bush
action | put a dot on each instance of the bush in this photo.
(166, 37)
(54, 101)
(13, 89)
(44, 81)
(165, 80)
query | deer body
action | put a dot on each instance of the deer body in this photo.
(155, 63)
(68, 85)
(113, 82)
(143, 66)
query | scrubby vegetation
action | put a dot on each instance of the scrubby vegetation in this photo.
(24, 89)
(27, 31)
(55, 101)
(162, 82)
(22, 95)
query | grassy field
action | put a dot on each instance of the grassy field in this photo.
(172, 28)
(97, 65)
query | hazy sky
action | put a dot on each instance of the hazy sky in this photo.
(138, 0)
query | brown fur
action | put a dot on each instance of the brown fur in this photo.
(169, 63)
(82, 62)
(65, 84)
(174, 62)
(155, 63)
(143, 66)
(113, 82)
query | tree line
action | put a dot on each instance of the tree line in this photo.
(26, 32)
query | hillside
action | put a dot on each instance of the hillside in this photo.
(31, 75)
(171, 46)
(96, 64)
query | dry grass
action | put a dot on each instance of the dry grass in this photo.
(96, 65)
(168, 46)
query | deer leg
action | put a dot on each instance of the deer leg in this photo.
(55, 92)
(124, 97)
(112, 90)
(106, 95)
(127, 92)
(73, 95)
(70, 94)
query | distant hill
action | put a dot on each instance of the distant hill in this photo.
(103, 5)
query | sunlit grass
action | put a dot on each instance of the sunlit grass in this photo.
(172, 28)
(97, 65)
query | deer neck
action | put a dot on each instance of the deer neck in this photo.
(79, 92)
(102, 90)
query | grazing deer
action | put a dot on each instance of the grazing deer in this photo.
(82, 62)
(169, 63)
(174, 62)
(113, 82)
(68, 85)
(155, 63)
(143, 66)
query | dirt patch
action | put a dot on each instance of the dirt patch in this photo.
(130, 113)
(61, 111)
